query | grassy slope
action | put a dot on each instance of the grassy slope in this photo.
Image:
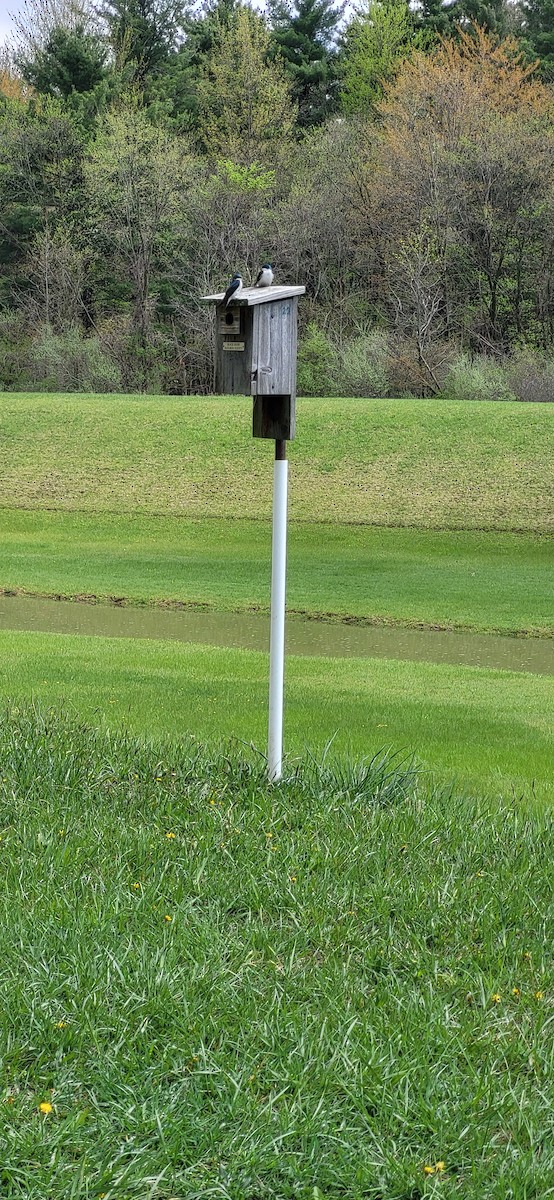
(488, 729)
(412, 462)
(450, 579)
(350, 987)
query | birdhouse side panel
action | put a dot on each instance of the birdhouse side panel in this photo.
(275, 338)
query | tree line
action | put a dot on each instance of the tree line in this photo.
(397, 161)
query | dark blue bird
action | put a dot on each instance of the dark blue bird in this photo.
(234, 289)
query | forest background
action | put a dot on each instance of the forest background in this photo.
(399, 162)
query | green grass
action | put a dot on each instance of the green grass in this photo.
(352, 985)
(486, 729)
(460, 579)
(422, 463)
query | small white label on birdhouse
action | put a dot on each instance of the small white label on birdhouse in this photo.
(233, 345)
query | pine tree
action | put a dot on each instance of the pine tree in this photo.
(537, 28)
(143, 33)
(304, 36)
(443, 18)
(72, 60)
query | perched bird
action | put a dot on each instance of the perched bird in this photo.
(265, 276)
(234, 289)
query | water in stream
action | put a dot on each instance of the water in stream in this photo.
(250, 631)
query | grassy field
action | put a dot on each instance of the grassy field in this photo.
(139, 486)
(486, 730)
(459, 579)
(422, 463)
(336, 988)
(212, 990)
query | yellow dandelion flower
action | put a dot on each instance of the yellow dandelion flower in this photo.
(516, 992)
(45, 1107)
(167, 917)
(496, 997)
(440, 1166)
(539, 995)
(136, 886)
(61, 1024)
(479, 874)
(427, 1170)
(292, 878)
(170, 835)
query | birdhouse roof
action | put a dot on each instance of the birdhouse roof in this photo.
(257, 295)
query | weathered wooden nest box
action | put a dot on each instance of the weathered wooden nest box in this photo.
(256, 355)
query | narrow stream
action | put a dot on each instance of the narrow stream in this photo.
(248, 631)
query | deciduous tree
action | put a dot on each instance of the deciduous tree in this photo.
(246, 110)
(466, 152)
(376, 40)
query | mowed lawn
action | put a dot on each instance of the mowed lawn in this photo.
(422, 463)
(483, 730)
(168, 500)
(431, 578)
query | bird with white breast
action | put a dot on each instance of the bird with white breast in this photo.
(265, 276)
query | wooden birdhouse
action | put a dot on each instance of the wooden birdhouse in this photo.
(256, 355)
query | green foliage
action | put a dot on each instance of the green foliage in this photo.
(72, 60)
(444, 18)
(358, 368)
(477, 377)
(536, 24)
(303, 37)
(13, 350)
(71, 362)
(250, 178)
(376, 40)
(317, 363)
(245, 109)
(143, 32)
(137, 176)
(363, 365)
(41, 181)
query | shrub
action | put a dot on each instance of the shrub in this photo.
(364, 365)
(317, 363)
(476, 378)
(13, 350)
(71, 362)
(531, 377)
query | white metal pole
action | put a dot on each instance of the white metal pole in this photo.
(277, 631)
